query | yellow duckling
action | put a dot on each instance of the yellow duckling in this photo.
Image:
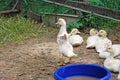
(74, 38)
(91, 40)
(110, 62)
(102, 41)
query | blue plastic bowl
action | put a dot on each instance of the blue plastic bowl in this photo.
(91, 70)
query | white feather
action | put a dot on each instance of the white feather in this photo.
(66, 48)
(75, 39)
(117, 49)
(110, 62)
(100, 45)
(104, 54)
(91, 41)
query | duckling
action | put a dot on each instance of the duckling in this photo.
(65, 48)
(74, 38)
(110, 62)
(105, 54)
(117, 49)
(102, 41)
(91, 40)
(62, 30)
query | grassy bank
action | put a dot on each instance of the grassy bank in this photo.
(17, 29)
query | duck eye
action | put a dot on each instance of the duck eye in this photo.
(108, 48)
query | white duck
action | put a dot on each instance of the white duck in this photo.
(110, 62)
(62, 30)
(65, 48)
(102, 41)
(92, 38)
(74, 37)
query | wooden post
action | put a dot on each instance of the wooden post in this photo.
(32, 5)
(19, 5)
(55, 12)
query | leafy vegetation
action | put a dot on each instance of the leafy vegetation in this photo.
(111, 4)
(40, 7)
(95, 2)
(83, 22)
(5, 4)
(89, 20)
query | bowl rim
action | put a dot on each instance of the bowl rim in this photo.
(108, 73)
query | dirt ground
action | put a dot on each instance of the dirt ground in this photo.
(37, 58)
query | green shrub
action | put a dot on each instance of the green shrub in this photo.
(91, 21)
(5, 5)
(111, 4)
(95, 2)
(83, 22)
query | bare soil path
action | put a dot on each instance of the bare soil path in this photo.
(36, 59)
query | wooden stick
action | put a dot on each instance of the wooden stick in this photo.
(8, 11)
(87, 11)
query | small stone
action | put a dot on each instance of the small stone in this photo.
(33, 78)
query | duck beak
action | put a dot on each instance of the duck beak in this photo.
(97, 33)
(106, 48)
(78, 33)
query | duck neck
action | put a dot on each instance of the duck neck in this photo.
(63, 29)
(103, 37)
(111, 56)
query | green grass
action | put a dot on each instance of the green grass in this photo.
(17, 29)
